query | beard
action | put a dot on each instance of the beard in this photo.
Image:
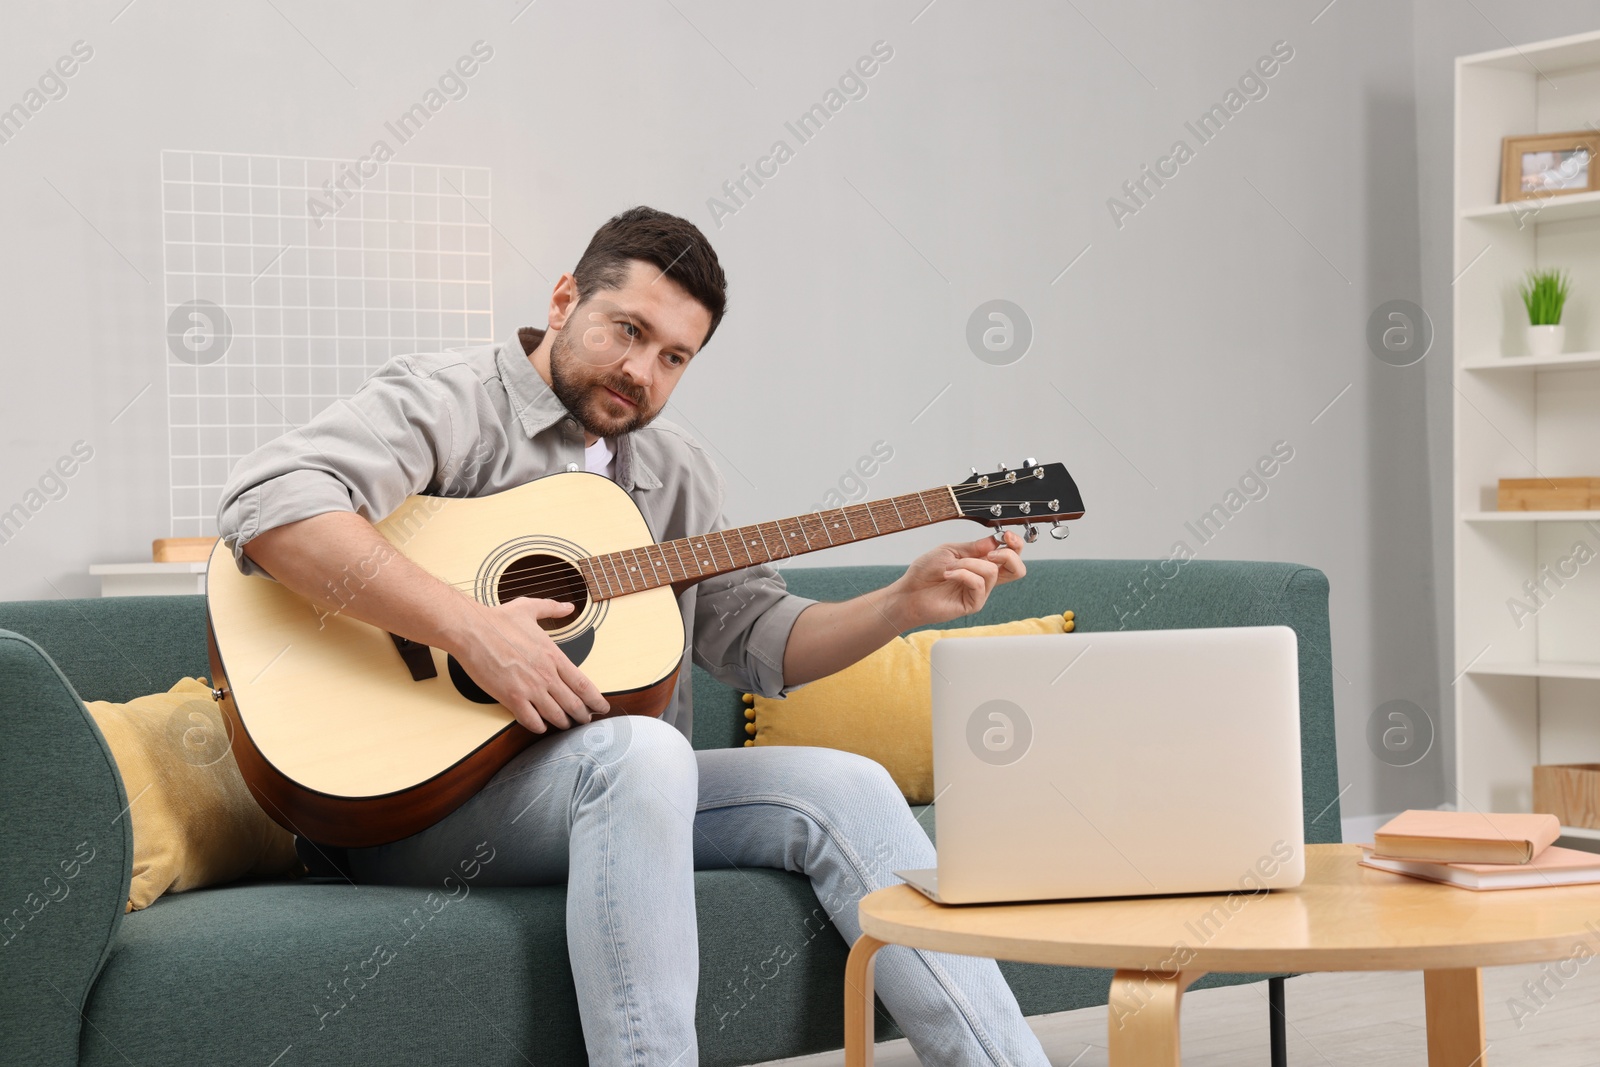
(582, 391)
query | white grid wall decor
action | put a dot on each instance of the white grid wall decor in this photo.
(289, 281)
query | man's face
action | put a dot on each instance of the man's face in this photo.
(615, 359)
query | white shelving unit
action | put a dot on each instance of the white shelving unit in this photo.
(1528, 685)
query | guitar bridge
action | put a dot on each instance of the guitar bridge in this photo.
(417, 656)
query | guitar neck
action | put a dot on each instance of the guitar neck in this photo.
(692, 559)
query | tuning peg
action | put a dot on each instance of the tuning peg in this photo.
(1030, 462)
(1060, 532)
(1002, 465)
(1030, 533)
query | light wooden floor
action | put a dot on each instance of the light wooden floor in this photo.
(1364, 1020)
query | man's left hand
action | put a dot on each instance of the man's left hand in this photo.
(955, 580)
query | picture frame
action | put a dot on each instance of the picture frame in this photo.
(1537, 166)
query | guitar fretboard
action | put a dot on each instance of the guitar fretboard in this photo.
(691, 559)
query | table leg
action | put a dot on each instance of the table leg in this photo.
(1455, 1017)
(859, 1010)
(1142, 1017)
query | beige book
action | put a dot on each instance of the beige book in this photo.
(1466, 836)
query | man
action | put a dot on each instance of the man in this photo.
(623, 810)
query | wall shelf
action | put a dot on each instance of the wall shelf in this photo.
(1567, 361)
(1539, 669)
(1531, 516)
(1551, 209)
(150, 579)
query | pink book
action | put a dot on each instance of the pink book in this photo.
(1465, 836)
(1554, 866)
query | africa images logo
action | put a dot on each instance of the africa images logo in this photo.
(198, 332)
(999, 732)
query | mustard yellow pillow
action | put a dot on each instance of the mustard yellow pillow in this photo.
(194, 821)
(880, 706)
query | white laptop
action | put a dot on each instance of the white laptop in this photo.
(1130, 763)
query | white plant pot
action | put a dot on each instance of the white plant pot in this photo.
(1546, 341)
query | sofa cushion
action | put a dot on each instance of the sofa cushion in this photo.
(243, 972)
(880, 706)
(194, 821)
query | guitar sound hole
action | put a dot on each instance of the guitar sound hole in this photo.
(549, 577)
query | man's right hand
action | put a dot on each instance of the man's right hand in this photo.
(515, 661)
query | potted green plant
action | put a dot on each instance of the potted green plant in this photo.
(1544, 294)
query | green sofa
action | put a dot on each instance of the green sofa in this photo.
(234, 974)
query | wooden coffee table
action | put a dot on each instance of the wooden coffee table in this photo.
(1343, 918)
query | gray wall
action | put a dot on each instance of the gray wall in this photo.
(1221, 318)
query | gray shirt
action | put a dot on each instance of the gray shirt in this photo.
(474, 421)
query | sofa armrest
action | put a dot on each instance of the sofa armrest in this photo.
(68, 849)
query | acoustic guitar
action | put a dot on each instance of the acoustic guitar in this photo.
(351, 736)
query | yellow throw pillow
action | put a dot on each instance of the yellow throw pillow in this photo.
(880, 707)
(194, 821)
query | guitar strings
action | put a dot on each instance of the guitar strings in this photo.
(519, 585)
(523, 585)
(531, 577)
(885, 507)
(535, 578)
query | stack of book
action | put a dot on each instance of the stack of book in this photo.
(1475, 850)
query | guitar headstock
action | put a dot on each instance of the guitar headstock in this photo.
(1018, 496)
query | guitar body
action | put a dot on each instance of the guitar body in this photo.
(337, 739)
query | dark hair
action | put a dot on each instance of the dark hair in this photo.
(676, 247)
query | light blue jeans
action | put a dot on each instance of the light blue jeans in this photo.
(624, 811)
